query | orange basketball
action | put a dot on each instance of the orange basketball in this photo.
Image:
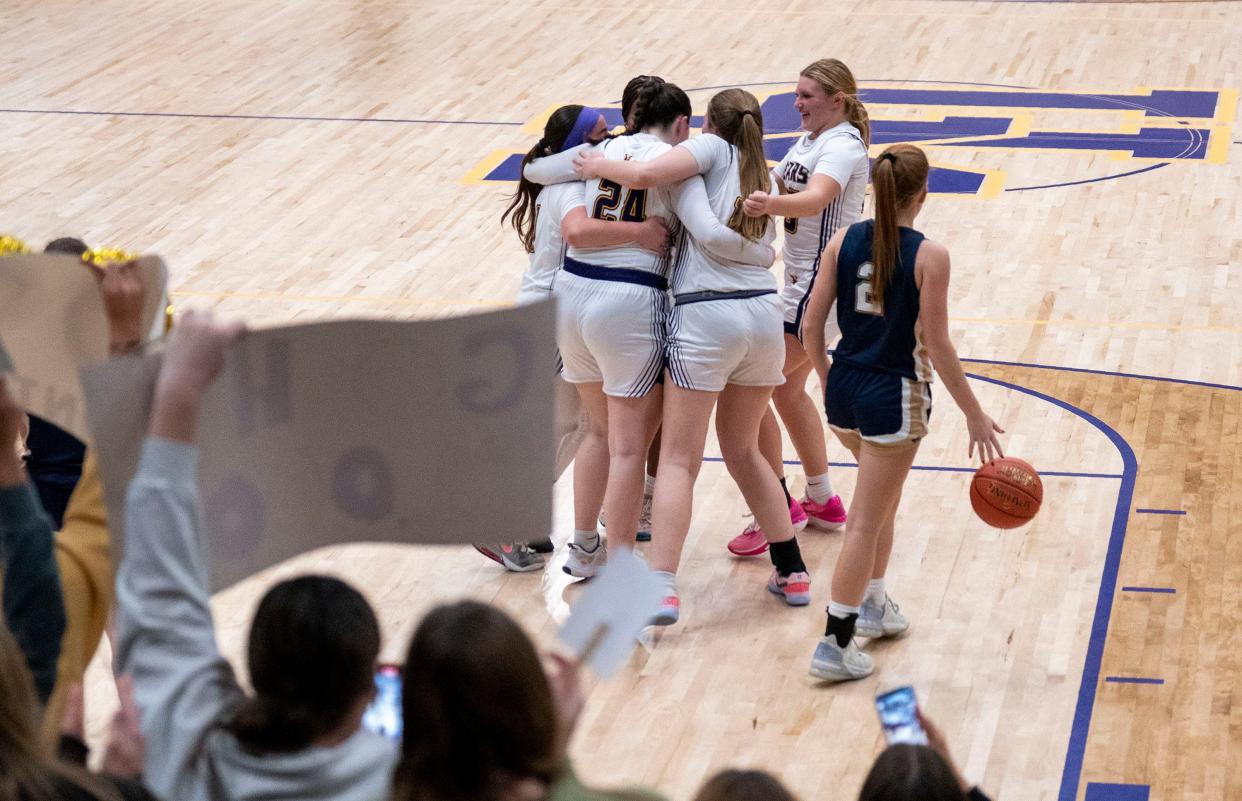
(1006, 493)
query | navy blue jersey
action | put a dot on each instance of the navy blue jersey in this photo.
(883, 338)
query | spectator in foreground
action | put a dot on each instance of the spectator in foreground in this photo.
(56, 456)
(483, 720)
(312, 647)
(918, 772)
(744, 785)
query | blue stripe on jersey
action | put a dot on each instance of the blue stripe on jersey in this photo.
(819, 254)
(883, 342)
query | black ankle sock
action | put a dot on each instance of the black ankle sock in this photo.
(788, 497)
(786, 557)
(842, 628)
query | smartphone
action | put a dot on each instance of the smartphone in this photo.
(383, 716)
(899, 716)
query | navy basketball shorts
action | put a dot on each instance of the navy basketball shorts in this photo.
(878, 408)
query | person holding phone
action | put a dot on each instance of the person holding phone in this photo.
(910, 770)
(486, 718)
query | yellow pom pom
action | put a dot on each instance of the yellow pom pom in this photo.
(102, 257)
(12, 246)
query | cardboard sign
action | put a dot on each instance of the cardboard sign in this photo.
(438, 431)
(613, 610)
(53, 323)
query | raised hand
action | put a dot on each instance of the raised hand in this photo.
(124, 292)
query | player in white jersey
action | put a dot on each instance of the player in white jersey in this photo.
(605, 327)
(725, 339)
(824, 180)
(547, 219)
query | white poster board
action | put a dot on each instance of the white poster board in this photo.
(614, 608)
(437, 431)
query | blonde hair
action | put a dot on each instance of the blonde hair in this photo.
(897, 177)
(735, 115)
(27, 770)
(833, 76)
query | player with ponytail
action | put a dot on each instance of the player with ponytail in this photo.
(893, 288)
(823, 180)
(725, 340)
(547, 220)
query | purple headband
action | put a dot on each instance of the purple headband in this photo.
(587, 119)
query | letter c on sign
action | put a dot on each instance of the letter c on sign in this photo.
(363, 486)
(504, 354)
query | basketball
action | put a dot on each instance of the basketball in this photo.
(1006, 493)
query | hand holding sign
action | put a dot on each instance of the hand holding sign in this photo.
(194, 357)
(607, 619)
(53, 324)
(352, 431)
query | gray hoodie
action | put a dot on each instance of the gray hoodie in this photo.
(184, 688)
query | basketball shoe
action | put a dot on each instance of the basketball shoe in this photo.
(876, 620)
(831, 662)
(829, 516)
(752, 541)
(516, 557)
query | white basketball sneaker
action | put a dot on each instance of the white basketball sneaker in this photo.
(585, 564)
(831, 662)
(875, 621)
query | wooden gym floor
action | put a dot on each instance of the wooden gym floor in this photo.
(295, 161)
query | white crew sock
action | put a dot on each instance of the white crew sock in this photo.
(819, 488)
(842, 611)
(876, 593)
(669, 580)
(586, 540)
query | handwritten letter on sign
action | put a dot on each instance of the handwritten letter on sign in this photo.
(412, 432)
(52, 321)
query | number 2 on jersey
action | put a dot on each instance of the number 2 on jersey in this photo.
(863, 300)
(632, 202)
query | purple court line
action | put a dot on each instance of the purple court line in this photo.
(277, 117)
(1164, 379)
(1160, 590)
(1160, 511)
(938, 469)
(1085, 180)
(1132, 680)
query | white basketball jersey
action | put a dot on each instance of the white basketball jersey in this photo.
(840, 154)
(551, 206)
(608, 200)
(694, 268)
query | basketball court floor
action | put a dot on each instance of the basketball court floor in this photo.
(299, 161)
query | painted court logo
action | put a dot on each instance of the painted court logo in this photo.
(985, 139)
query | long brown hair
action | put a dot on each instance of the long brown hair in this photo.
(27, 771)
(311, 654)
(833, 76)
(522, 202)
(897, 177)
(736, 116)
(910, 773)
(478, 709)
(744, 785)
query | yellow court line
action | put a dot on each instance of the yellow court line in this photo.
(404, 300)
(500, 304)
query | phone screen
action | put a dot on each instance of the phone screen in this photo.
(899, 718)
(383, 716)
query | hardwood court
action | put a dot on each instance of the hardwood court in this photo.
(300, 161)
